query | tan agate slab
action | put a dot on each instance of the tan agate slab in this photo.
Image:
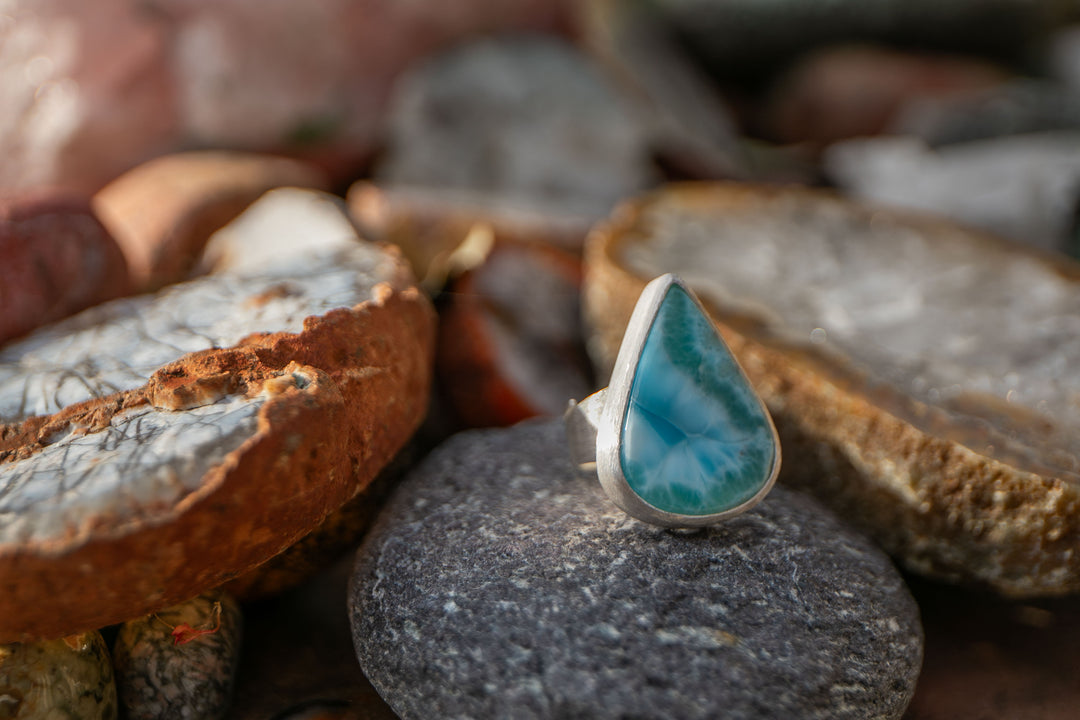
(922, 377)
(157, 446)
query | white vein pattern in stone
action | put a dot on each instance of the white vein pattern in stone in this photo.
(118, 345)
(144, 459)
(940, 315)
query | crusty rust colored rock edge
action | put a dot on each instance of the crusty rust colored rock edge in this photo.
(902, 470)
(317, 443)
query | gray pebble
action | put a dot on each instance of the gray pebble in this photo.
(496, 584)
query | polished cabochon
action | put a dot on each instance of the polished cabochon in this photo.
(683, 439)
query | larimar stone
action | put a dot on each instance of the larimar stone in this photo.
(696, 439)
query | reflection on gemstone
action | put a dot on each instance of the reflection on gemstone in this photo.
(696, 440)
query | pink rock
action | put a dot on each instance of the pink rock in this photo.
(86, 91)
(91, 89)
(55, 259)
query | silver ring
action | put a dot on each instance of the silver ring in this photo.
(679, 438)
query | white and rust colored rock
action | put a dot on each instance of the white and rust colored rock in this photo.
(157, 446)
(58, 679)
(922, 376)
(180, 662)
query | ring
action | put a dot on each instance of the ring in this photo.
(679, 438)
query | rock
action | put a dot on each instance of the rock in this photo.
(541, 599)
(690, 126)
(856, 90)
(157, 446)
(445, 232)
(1015, 108)
(510, 340)
(91, 92)
(180, 662)
(71, 677)
(1025, 187)
(163, 212)
(920, 374)
(523, 118)
(745, 41)
(87, 92)
(55, 260)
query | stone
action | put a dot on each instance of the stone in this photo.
(163, 211)
(87, 92)
(523, 118)
(695, 439)
(67, 678)
(497, 583)
(181, 661)
(56, 259)
(691, 129)
(1020, 107)
(155, 447)
(444, 232)
(510, 343)
(746, 41)
(919, 373)
(849, 91)
(1024, 187)
(92, 92)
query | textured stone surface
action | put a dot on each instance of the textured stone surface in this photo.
(56, 258)
(695, 438)
(520, 117)
(67, 678)
(498, 584)
(163, 211)
(181, 661)
(155, 447)
(920, 372)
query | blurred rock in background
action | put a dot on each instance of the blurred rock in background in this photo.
(92, 90)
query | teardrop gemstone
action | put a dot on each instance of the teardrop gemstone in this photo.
(696, 439)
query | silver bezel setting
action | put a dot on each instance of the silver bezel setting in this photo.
(601, 416)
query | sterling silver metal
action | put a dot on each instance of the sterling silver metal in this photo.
(593, 426)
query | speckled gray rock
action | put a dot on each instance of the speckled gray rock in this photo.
(181, 662)
(496, 584)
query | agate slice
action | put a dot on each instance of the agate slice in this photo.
(155, 447)
(921, 375)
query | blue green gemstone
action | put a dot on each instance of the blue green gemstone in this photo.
(696, 439)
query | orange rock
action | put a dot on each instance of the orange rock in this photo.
(208, 427)
(510, 344)
(55, 259)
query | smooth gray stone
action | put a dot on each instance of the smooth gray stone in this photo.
(498, 585)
